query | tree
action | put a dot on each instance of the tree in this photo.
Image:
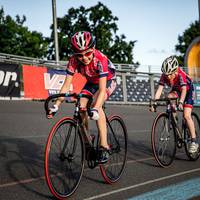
(17, 39)
(185, 40)
(102, 24)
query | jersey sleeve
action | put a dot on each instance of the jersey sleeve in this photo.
(162, 80)
(182, 79)
(103, 67)
(71, 66)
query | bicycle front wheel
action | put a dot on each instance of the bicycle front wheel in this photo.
(187, 137)
(64, 158)
(117, 140)
(163, 140)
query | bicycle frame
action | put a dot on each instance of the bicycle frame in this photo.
(77, 116)
(172, 112)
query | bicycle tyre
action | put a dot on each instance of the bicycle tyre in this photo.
(163, 140)
(63, 170)
(187, 138)
(113, 169)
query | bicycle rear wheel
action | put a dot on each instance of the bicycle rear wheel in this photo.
(64, 158)
(163, 140)
(117, 140)
(187, 137)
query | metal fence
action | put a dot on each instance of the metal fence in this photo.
(133, 87)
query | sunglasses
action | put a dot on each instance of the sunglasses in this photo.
(81, 55)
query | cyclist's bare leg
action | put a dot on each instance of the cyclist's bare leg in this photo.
(102, 128)
(101, 124)
(187, 116)
(83, 113)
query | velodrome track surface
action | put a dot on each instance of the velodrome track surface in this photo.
(23, 133)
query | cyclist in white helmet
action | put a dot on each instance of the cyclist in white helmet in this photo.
(182, 88)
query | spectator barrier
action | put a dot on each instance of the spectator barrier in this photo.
(31, 80)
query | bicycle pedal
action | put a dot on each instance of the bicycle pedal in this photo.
(92, 164)
(91, 158)
(179, 144)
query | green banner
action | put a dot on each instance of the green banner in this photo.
(197, 94)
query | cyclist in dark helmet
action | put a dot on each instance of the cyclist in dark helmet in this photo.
(182, 88)
(100, 74)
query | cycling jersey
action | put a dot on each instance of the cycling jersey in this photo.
(91, 89)
(181, 79)
(99, 67)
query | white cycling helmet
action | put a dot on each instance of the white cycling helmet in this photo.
(169, 65)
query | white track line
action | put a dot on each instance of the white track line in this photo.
(43, 177)
(142, 184)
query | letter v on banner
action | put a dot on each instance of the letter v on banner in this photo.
(53, 80)
(53, 83)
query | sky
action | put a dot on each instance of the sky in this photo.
(155, 24)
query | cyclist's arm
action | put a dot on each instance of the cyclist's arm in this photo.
(183, 93)
(159, 92)
(101, 92)
(183, 83)
(65, 88)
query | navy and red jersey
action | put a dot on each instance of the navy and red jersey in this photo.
(99, 67)
(181, 79)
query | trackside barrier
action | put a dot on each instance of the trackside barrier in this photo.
(40, 78)
(197, 94)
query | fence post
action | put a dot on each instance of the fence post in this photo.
(152, 86)
(124, 87)
(149, 66)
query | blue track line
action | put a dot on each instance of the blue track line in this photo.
(182, 191)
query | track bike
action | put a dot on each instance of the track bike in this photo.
(69, 146)
(167, 134)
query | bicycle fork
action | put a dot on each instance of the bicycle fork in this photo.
(70, 155)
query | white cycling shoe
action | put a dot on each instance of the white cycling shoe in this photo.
(193, 147)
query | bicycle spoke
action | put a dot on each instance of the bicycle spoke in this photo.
(64, 159)
(163, 140)
(117, 139)
(187, 136)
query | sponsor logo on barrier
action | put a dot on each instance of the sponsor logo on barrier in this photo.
(6, 77)
(40, 82)
(197, 87)
(53, 83)
(197, 94)
(9, 80)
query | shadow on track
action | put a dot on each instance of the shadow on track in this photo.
(23, 162)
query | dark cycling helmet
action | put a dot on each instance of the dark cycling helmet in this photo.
(169, 65)
(82, 41)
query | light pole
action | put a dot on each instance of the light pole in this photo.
(55, 30)
(199, 11)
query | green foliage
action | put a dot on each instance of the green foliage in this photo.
(17, 39)
(186, 38)
(102, 24)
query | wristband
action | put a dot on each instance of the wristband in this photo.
(180, 102)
